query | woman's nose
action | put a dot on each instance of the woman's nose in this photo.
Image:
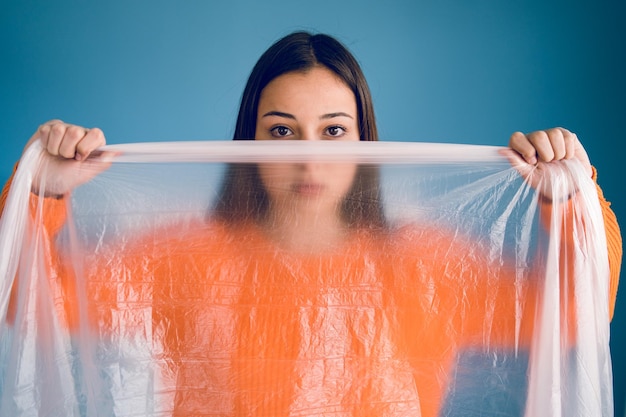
(309, 167)
(309, 134)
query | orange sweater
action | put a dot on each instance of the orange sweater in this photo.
(266, 332)
(243, 328)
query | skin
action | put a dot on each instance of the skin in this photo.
(305, 198)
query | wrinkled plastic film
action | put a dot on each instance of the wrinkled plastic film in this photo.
(285, 278)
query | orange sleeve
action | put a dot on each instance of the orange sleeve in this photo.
(54, 208)
(54, 215)
(614, 245)
(613, 239)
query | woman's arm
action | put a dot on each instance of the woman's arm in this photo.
(530, 153)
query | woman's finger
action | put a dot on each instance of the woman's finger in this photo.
(571, 142)
(92, 140)
(520, 144)
(542, 142)
(73, 135)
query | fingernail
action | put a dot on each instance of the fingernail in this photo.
(78, 157)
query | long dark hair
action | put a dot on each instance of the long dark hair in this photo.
(243, 196)
(300, 52)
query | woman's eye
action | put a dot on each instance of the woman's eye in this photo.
(335, 131)
(280, 131)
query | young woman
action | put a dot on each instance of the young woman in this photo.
(379, 349)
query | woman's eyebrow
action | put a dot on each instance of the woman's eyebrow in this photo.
(279, 114)
(291, 116)
(333, 115)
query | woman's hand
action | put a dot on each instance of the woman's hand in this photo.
(67, 149)
(533, 155)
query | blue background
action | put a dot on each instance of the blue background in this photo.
(445, 71)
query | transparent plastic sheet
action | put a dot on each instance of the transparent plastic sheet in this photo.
(210, 279)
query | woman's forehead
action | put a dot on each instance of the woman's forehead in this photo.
(317, 88)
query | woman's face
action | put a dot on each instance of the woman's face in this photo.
(312, 105)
